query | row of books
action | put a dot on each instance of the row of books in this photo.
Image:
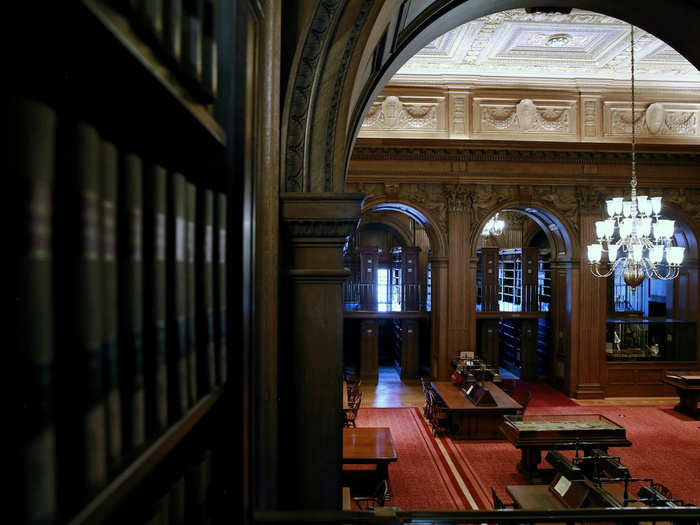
(184, 32)
(119, 303)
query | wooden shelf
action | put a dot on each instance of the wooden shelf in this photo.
(122, 31)
(116, 492)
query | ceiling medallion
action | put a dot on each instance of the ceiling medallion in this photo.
(558, 40)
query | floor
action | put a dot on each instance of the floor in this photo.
(390, 392)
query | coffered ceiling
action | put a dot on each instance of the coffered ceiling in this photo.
(514, 44)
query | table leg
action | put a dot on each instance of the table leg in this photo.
(531, 458)
(383, 473)
(688, 403)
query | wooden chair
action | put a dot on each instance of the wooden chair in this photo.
(351, 413)
(522, 398)
(438, 420)
(377, 499)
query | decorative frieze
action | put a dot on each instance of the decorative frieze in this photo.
(662, 120)
(393, 113)
(511, 118)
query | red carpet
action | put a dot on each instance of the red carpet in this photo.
(543, 395)
(444, 474)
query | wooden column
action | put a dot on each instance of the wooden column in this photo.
(369, 350)
(589, 357)
(410, 348)
(317, 226)
(440, 359)
(459, 270)
(562, 330)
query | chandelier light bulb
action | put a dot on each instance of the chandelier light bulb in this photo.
(656, 253)
(595, 251)
(656, 205)
(627, 208)
(674, 255)
(612, 252)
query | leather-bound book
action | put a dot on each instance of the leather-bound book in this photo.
(130, 299)
(206, 362)
(220, 288)
(109, 169)
(192, 13)
(81, 451)
(154, 276)
(176, 293)
(210, 49)
(172, 28)
(29, 160)
(190, 323)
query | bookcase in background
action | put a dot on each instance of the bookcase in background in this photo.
(128, 188)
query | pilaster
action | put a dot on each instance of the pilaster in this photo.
(440, 359)
(317, 226)
(590, 356)
(459, 270)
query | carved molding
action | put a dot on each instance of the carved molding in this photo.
(465, 154)
(319, 215)
(338, 90)
(303, 92)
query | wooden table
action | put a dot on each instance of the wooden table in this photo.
(469, 421)
(688, 389)
(369, 446)
(534, 433)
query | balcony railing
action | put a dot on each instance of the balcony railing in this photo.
(396, 298)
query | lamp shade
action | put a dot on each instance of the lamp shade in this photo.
(674, 255)
(595, 251)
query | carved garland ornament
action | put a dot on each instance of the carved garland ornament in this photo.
(656, 119)
(393, 113)
(528, 117)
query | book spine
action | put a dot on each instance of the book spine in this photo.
(153, 16)
(154, 351)
(210, 49)
(190, 323)
(29, 156)
(130, 298)
(205, 303)
(108, 223)
(177, 299)
(220, 289)
(172, 28)
(82, 451)
(192, 12)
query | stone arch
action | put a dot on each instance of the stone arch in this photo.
(438, 239)
(557, 228)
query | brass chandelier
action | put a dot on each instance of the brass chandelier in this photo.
(635, 237)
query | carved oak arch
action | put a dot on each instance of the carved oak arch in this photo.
(438, 241)
(565, 245)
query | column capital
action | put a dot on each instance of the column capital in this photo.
(320, 215)
(458, 197)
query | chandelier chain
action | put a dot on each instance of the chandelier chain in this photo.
(633, 183)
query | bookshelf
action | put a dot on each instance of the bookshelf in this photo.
(120, 163)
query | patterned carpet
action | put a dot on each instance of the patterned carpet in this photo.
(445, 474)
